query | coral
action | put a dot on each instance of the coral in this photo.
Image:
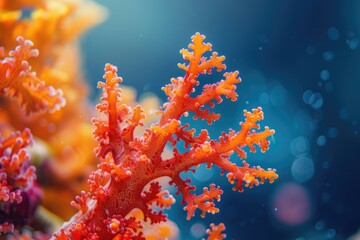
(54, 26)
(19, 194)
(130, 165)
(26, 234)
(18, 81)
(215, 233)
(125, 197)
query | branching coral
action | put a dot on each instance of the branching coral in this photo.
(54, 26)
(19, 194)
(129, 163)
(17, 80)
(215, 233)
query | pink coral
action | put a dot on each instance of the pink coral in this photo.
(19, 194)
(129, 163)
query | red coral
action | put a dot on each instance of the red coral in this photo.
(18, 81)
(204, 202)
(124, 227)
(129, 163)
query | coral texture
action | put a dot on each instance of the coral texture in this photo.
(127, 176)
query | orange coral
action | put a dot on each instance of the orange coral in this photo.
(54, 26)
(128, 163)
(17, 80)
(215, 233)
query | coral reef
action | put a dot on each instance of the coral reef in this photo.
(139, 146)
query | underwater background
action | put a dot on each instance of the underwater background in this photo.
(299, 61)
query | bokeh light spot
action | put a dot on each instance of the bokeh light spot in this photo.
(303, 169)
(316, 100)
(264, 98)
(320, 225)
(333, 33)
(330, 233)
(333, 132)
(293, 204)
(198, 230)
(328, 56)
(278, 96)
(299, 145)
(325, 75)
(321, 140)
(353, 43)
(306, 96)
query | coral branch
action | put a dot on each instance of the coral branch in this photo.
(197, 62)
(204, 202)
(127, 176)
(108, 132)
(19, 82)
(17, 178)
(215, 233)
